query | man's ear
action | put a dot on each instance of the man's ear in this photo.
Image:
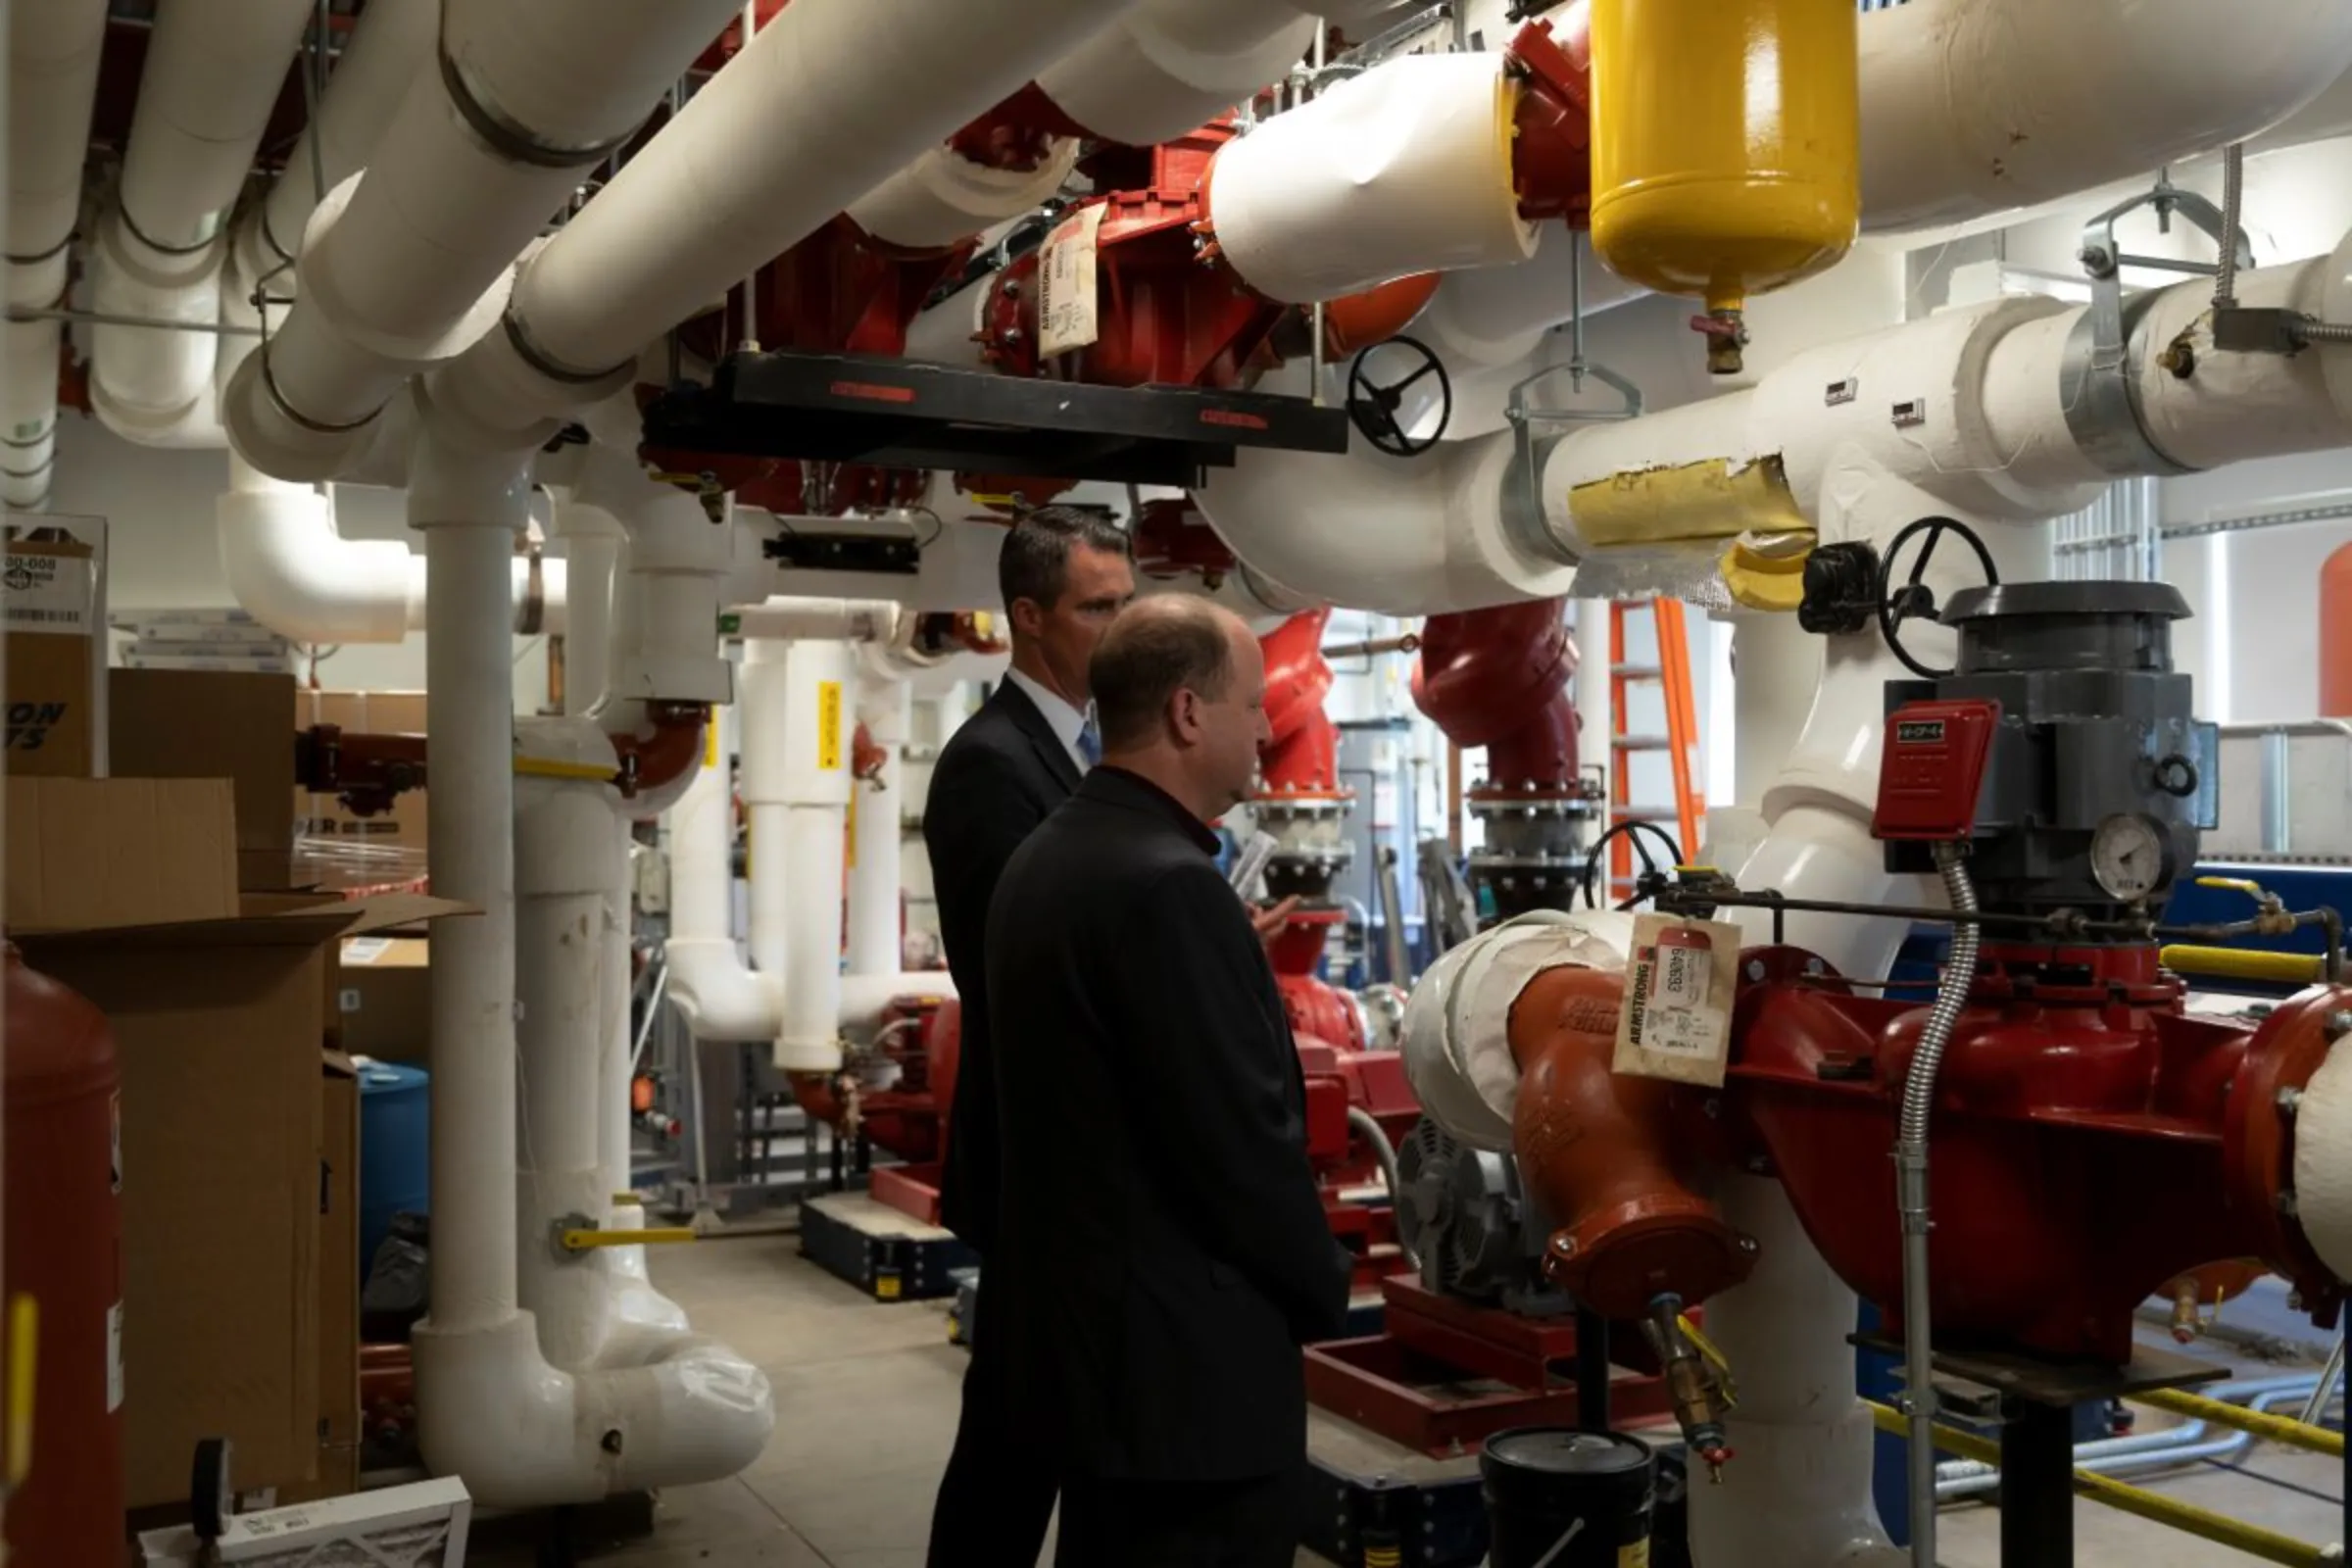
(1026, 617)
(1184, 708)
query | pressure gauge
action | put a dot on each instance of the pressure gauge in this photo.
(2130, 856)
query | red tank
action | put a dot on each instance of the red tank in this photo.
(64, 1250)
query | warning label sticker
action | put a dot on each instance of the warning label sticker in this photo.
(1066, 313)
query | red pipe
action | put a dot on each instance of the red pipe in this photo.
(1498, 680)
(1303, 758)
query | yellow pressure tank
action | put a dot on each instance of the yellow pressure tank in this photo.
(1726, 147)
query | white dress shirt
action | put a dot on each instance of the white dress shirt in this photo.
(1068, 722)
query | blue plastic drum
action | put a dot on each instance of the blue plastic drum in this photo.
(395, 1151)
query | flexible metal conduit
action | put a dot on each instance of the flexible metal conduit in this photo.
(1911, 1176)
(1367, 1127)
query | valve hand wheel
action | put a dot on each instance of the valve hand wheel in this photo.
(1915, 600)
(1372, 404)
(1631, 832)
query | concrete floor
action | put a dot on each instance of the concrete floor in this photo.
(866, 1401)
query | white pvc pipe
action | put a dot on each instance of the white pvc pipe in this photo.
(831, 100)
(212, 76)
(660, 1409)
(1405, 168)
(1970, 107)
(406, 269)
(53, 54)
(720, 996)
(885, 707)
(1490, 315)
(1170, 65)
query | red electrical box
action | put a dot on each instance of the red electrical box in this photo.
(1931, 769)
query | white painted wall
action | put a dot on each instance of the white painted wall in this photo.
(166, 551)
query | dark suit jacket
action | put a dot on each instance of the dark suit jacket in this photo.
(1167, 1251)
(997, 779)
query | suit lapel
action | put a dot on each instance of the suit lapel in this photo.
(1040, 730)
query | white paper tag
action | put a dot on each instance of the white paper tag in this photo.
(1066, 317)
(113, 1359)
(365, 949)
(1676, 1021)
(46, 593)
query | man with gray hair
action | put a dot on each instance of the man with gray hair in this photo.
(1169, 1250)
(1065, 572)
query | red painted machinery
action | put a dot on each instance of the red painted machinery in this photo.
(1498, 680)
(1354, 1093)
(2068, 1137)
(897, 1099)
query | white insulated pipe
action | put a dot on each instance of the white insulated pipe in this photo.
(288, 567)
(53, 54)
(831, 100)
(786, 618)
(668, 602)
(212, 76)
(1970, 107)
(719, 995)
(390, 45)
(1168, 67)
(401, 270)
(796, 786)
(1404, 536)
(943, 198)
(662, 1410)
(568, 848)
(1404, 168)
(595, 546)
(886, 708)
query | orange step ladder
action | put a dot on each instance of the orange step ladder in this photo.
(1672, 672)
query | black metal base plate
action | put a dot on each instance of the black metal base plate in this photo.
(835, 407)
(2022, 1375)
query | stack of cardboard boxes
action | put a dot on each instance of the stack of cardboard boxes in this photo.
(174, 896)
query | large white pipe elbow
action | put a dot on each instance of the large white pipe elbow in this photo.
(288, 567)
(1405, 168)
(1170, 65)
(1404, 536)
(523, 1433)
(1970, 107)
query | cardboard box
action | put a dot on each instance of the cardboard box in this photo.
(218, 1022)
(384, 997)
(339, 1439)
(171, 723)
(323, 816)
(52, 608)
(86, 854)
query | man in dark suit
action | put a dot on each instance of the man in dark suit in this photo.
(1169, 1251)
(1065, 574)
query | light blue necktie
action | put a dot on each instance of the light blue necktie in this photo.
(1090, 742)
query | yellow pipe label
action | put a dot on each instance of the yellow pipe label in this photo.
(711, 741)
(828, 727)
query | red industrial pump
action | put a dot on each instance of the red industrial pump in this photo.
(63, 1251)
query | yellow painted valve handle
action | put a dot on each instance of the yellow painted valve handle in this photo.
(580, 1240)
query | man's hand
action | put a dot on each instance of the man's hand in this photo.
(1269, 920)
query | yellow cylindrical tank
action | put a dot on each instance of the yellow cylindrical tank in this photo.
(1726, 147)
